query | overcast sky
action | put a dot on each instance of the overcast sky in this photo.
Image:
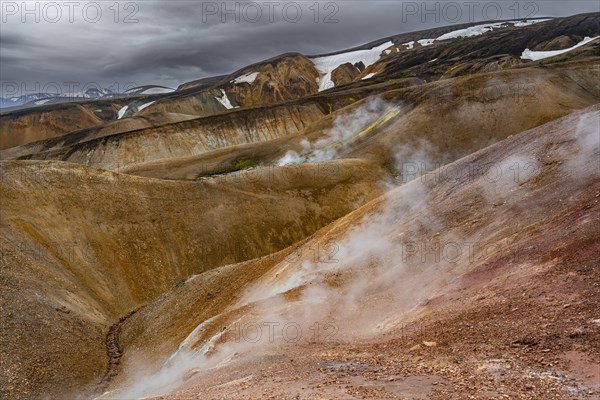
(171, 42)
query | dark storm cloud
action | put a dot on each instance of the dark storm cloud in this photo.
(172, 42)
(9, 39)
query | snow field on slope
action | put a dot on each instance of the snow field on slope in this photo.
(246, 78)
(325, 65)
(540, 55)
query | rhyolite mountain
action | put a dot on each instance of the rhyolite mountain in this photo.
(398, 61)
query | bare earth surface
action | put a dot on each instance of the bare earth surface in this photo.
(517, 322)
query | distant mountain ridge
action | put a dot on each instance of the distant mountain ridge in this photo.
(93, 93)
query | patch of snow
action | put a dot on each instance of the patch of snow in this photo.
(368, 76)
(388, 51)
(473, 31)
(151, 90)
(423, 42)
(98, 110)
(225, 100)
(140, 108)
(40, 102)
(540, 55)
(528, 22)
(435, 59)
(481, 29)
(326, 64)
(426, 42)
(246, 78)
(122, 111)
(157, 90)
(73, 95)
